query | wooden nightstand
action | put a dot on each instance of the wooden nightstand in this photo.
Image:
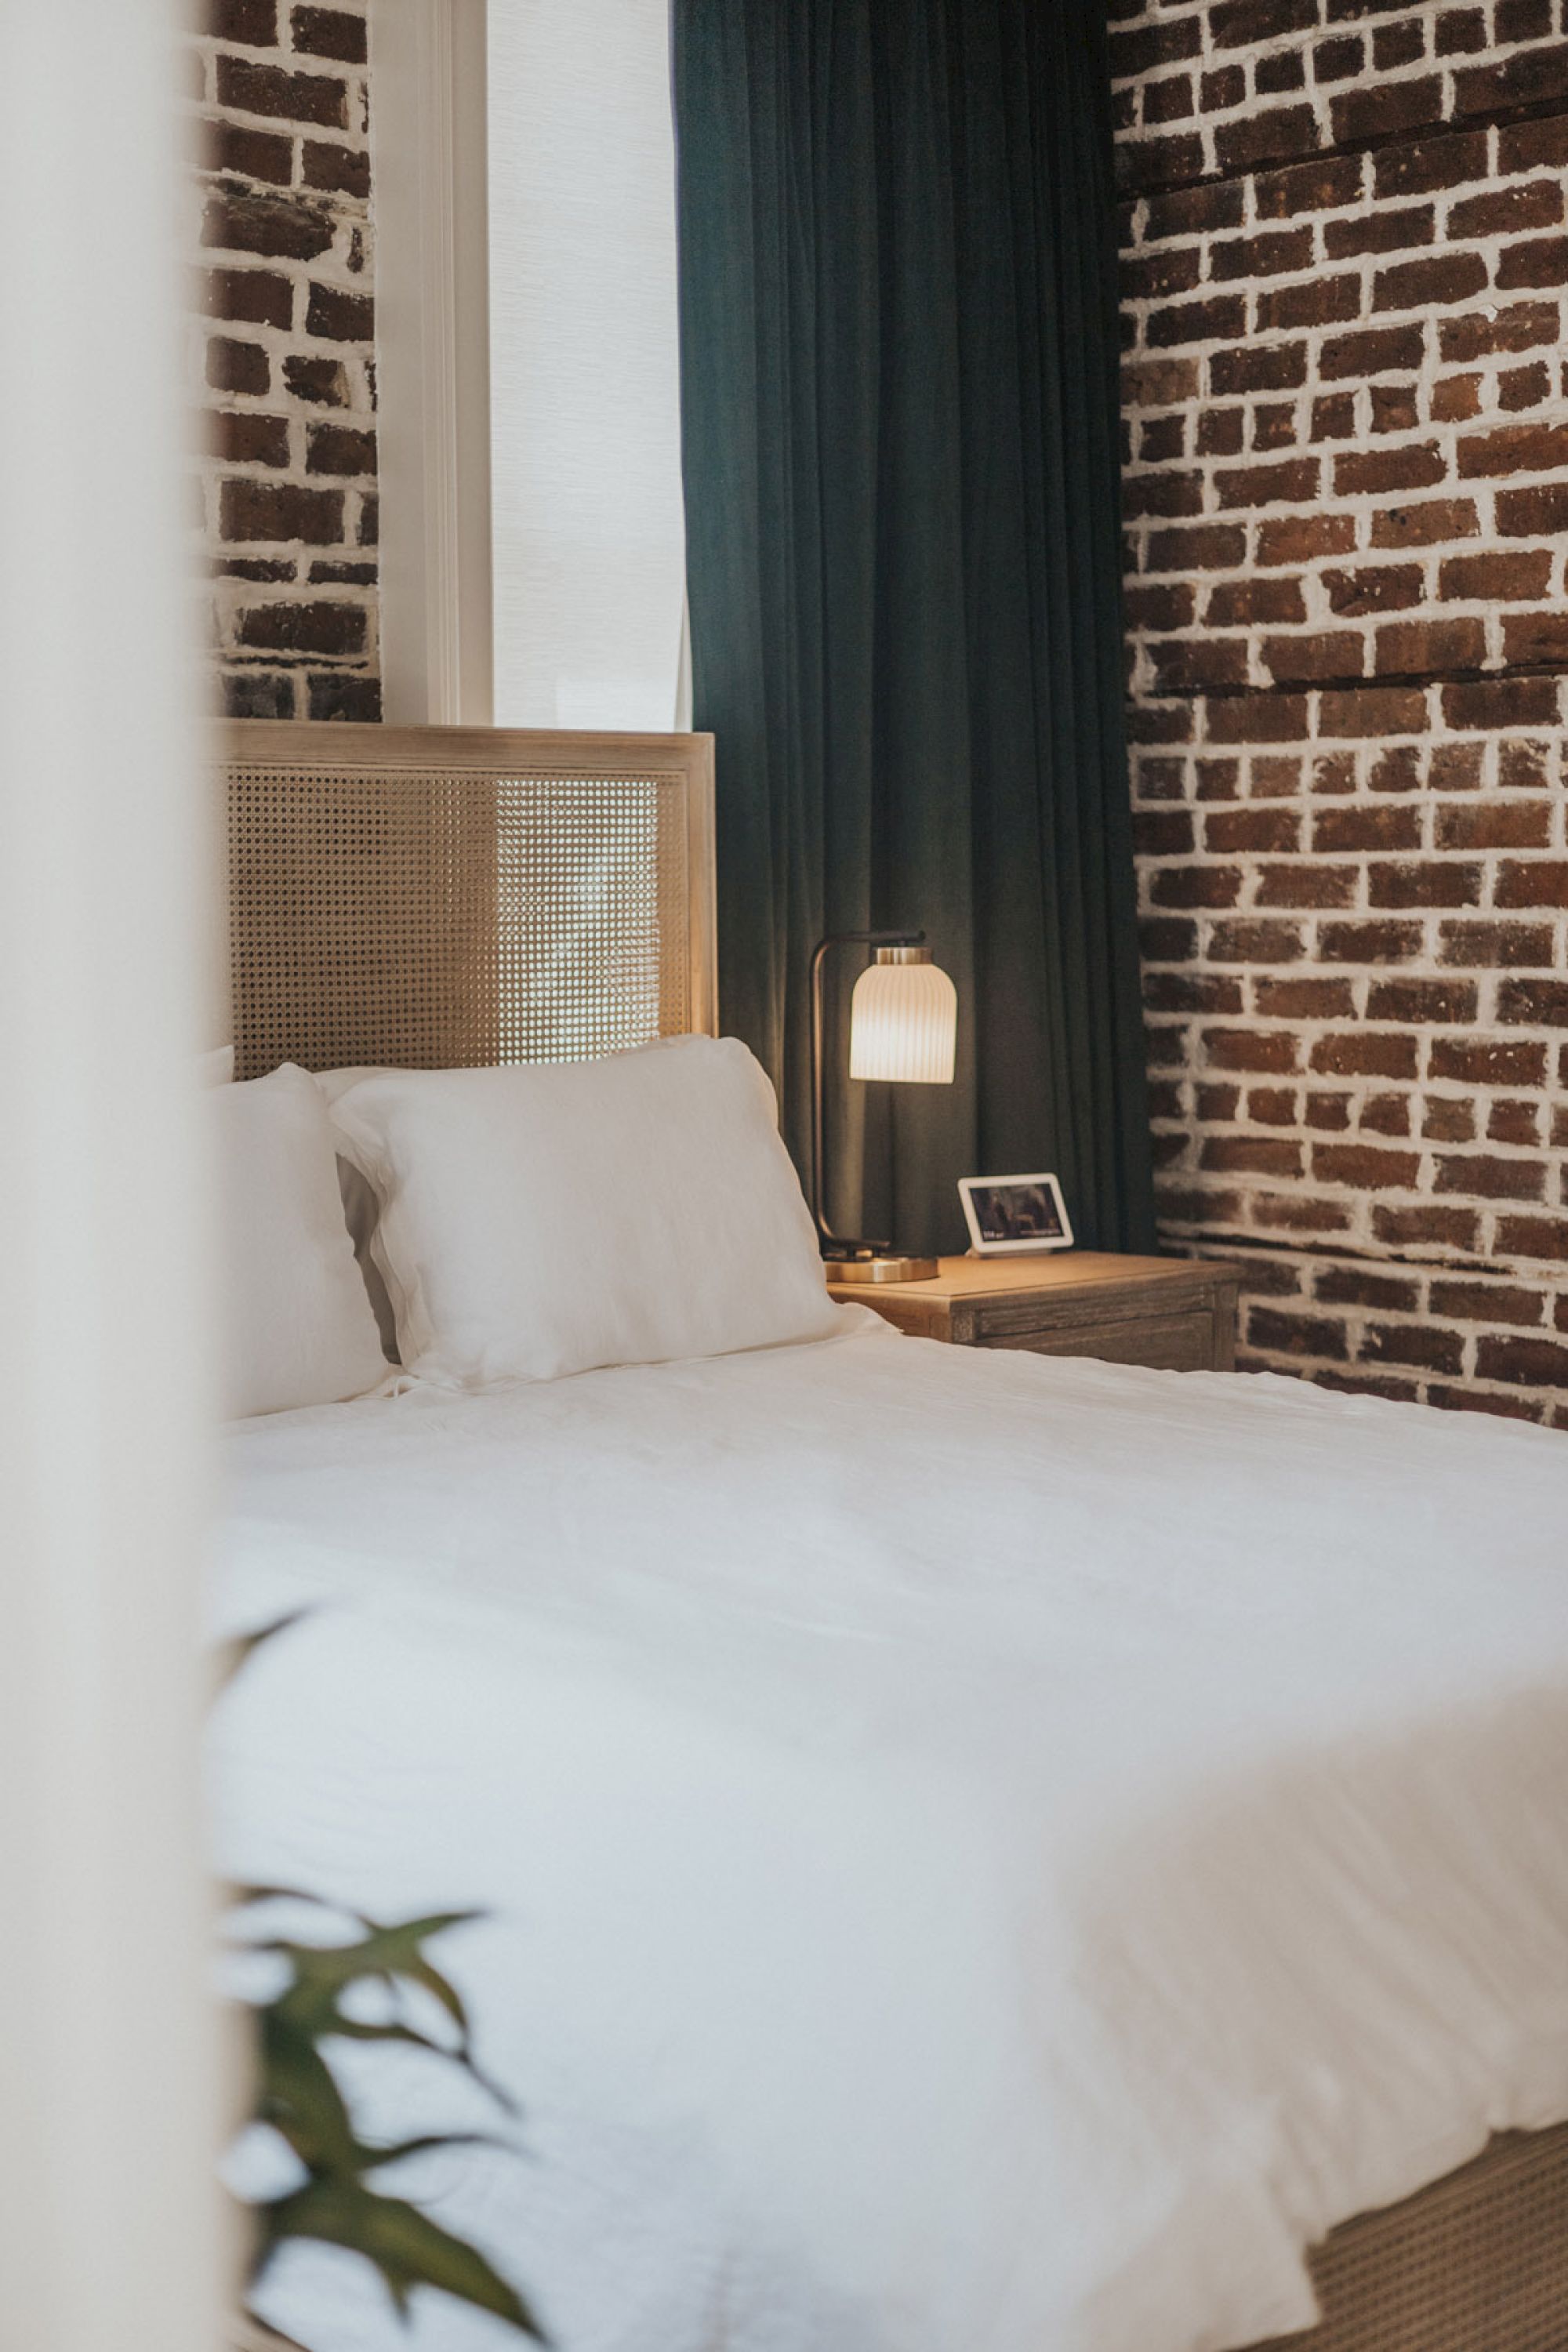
(1177, 1315)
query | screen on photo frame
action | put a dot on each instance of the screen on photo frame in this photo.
(1016, 1212)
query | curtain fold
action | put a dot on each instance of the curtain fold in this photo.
(899, 437)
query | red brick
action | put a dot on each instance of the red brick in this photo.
(257, 297)
(1485, 1177)
(1531, 1363)
(329, 33)
(1229, 831)
(1381, 470)
(1372, 710)
(1525, 80)
(1495, 824)
(1538, 203)
(1477, 334)
(1156, 384)
(1298, 539)
(1430, 164)
(1522, 145)
(340, 318)
(1437, 279)
(1501, 702)
(1159, 604)
(1220, 431)
(1356, 1286)
(1427, 1227)
(1422, 1001)
(340, 449)
(1329, 1113)
(1425, 525)
(1389, 231)
(1348, 830)
(253, 154)
(1268, 136)
(275, 226)
(1380, 107)
(1514, 1122)
(1298, 1212)
(1542, 1238)
(1288, 483)
(1523, 514)
(244, 436)
(1259, 1155)
(1533, 882)
(1302, 1000)
(1296, 1335)
(1328, 654)
(1258, 719)
(1498, 577)
(1222, 316)
(1514, 449)
(1254, 942)
(317, 629)
(1377, 588)
(1263, 256)
(294, 97)
(1428, 884)
(1154, 45)
(1419, 1344)
(1455, 397)
(1187, 991)
(1307, 886)
(1251, 1049)
(1372, 350)
(1213, 547)
(343, 171)
(1535, 637)
(278, 511)
(235, 367)
(1165, 493)
(1448, 1121)
(1195, 885)
(1366, 1054)
(1488, 1062)
(1460, 31)
(1534, 1003)
(1524, 387)
(1262, 367)
(1239, 603)
(1410, 648)
(253, 23)
(1369, 1168)
(1488, 947)
(1372, 943)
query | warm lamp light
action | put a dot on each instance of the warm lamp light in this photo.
(903, 1027)
(903, 1020)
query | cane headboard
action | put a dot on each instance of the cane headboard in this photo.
(438, 896)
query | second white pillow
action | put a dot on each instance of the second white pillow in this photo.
(545, 1219)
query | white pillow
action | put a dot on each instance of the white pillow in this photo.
(299, 1327)
(547, 1218)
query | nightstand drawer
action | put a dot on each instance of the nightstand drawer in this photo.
(1166, 1343)
(1175, 1314)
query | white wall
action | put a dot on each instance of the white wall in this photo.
(107, 2235)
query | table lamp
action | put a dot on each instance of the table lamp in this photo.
(904, 1028)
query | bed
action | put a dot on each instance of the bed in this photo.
(977, 1850)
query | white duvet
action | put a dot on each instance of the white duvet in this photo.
(980, 1853)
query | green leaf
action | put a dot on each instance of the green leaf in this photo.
(407, 2247)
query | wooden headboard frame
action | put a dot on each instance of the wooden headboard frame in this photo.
(437, 897)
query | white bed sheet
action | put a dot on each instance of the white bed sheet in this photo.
(982, 1852)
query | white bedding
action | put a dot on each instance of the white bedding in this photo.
(983, 1854)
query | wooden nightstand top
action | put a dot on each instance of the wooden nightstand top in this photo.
(1060, 1273)
(1174, 1312)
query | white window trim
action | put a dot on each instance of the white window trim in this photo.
(429, 175)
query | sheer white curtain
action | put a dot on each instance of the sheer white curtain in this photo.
(586, 516)
(106, 2212)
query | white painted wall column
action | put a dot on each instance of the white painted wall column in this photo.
(107, 2211)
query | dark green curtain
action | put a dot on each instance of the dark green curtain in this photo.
(898, 357)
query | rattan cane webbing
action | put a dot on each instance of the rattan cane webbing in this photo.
(453, 914)
(1477, 2262)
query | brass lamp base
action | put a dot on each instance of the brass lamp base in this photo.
(876, 1267)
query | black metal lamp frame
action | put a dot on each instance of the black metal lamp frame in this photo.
(837, 1245)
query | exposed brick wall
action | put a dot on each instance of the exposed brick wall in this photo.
(284, 357)
(1347, 503)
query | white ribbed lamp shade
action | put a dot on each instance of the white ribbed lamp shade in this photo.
(903, 1020)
